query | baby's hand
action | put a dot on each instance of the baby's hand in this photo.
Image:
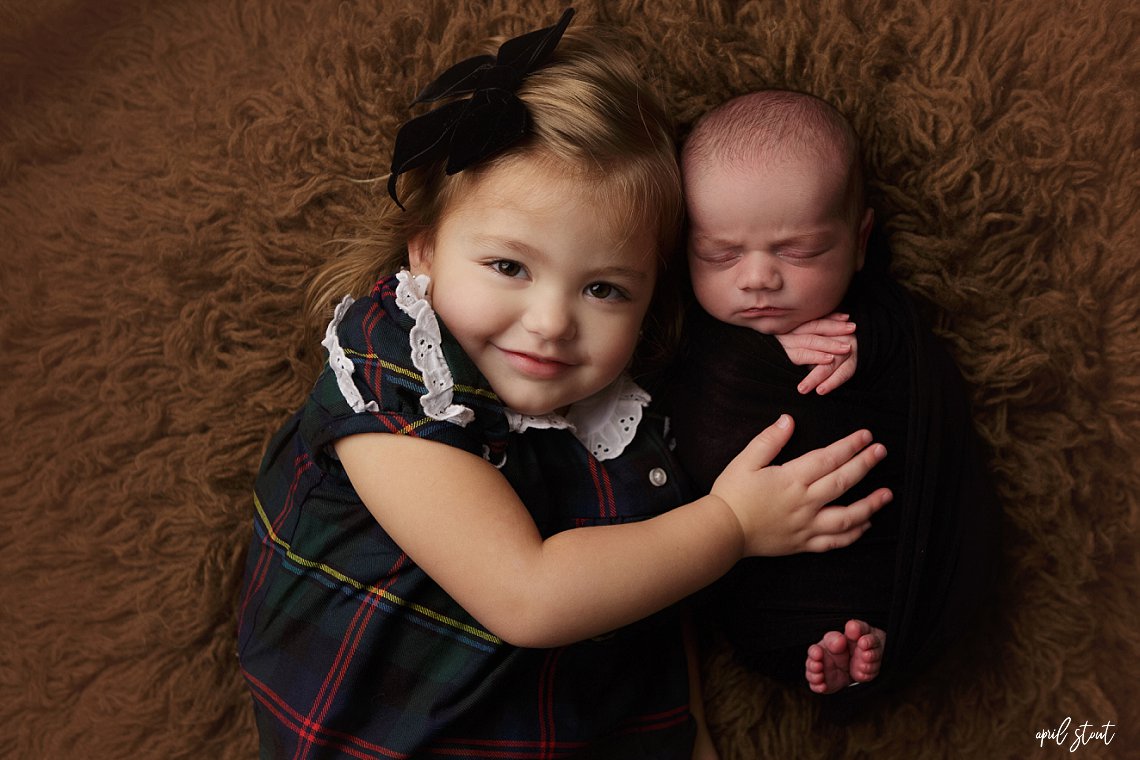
(783, 509)
(828, 343)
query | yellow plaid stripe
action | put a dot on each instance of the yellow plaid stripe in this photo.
(383, 594)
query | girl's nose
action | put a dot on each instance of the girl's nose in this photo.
(758, 272)
(549, 317)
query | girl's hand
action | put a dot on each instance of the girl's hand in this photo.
(783, 509)
(828, 343)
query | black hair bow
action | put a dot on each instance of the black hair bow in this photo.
(467, 131)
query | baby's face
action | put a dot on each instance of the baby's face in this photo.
(773, 246)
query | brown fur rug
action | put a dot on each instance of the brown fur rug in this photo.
(170, 172)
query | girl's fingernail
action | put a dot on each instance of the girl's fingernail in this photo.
(784, 421)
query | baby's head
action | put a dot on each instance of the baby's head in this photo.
(777, 213)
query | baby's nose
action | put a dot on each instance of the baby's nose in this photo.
(758, 272)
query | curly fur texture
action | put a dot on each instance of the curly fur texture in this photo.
(171, 172)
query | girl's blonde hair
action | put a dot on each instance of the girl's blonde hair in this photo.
(591, 112)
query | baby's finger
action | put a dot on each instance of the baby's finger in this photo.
(837, 375)
(814, 342)
(802, 357)
(816, 378)
(826, 326)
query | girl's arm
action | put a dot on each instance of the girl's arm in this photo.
(459, 519)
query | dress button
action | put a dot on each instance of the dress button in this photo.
(658, 477)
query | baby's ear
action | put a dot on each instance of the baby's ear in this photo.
(864, 235)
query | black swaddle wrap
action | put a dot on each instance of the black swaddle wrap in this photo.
(920, 569)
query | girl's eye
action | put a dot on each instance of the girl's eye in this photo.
(603, 291)
(507, 267)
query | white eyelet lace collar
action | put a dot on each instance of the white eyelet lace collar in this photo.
(604, 423)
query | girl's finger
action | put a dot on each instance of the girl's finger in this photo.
(833, 484)
(829, 541)
(762, 449)
(836, 520)
(815, 465)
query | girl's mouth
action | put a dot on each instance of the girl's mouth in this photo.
(535, 365)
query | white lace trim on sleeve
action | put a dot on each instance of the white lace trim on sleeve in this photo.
(427, 351)
(341, 365)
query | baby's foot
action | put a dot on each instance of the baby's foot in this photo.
(828, 664)
(841, 659)
(866, 644)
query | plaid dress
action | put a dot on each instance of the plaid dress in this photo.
(351, 650)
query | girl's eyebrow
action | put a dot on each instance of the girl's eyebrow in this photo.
(496, 241)
(622, 272)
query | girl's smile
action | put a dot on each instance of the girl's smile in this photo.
(540, 367)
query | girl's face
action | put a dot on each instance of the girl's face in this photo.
(542, 289)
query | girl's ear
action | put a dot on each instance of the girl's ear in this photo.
(419, 254)
(864, 235)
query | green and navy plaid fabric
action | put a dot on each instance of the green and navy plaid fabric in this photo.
(351, 650)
